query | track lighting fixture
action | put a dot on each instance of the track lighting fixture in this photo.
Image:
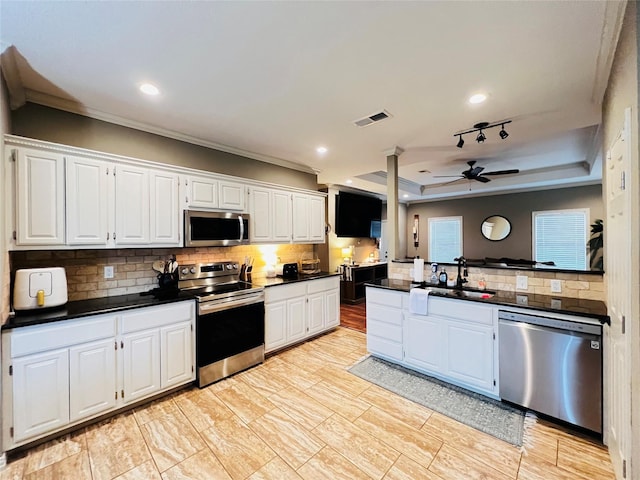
(479, 127)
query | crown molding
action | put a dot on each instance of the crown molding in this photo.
(9, 66)
(74, 107)
(611, 28)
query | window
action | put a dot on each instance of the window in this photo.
(560, 236)
(445, 239)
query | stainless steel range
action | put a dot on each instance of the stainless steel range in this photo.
(229, 322)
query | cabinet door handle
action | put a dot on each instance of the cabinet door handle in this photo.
(121, 344)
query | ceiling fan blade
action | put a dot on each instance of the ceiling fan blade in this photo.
(482, 179)
(502, 172)
(475, 171)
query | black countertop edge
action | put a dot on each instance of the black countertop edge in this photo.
(509, 267)
(95, 306)
(99, 306)
(569, 306)
(271, 282)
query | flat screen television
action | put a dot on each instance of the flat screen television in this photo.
(357, 215)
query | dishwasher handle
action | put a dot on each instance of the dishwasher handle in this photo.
(571, 326)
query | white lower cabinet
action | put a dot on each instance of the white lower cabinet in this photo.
(424, 337)
(40, 393)
(92, 379)
(141, 361)
(62, 373)
(456, 341)
(299, 310)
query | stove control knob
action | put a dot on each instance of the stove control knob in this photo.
(192, 269)
(184, 271)
(229, 266)
(235, 266)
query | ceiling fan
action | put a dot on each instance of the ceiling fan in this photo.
(475, 173)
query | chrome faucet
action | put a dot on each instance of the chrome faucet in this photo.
(462, 271)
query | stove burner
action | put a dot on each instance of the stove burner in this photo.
(210, 281)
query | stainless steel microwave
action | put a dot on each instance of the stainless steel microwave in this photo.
(215, 229)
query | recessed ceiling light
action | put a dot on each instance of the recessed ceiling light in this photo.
(321, 150)
(406, 195)
(477, 98)
(349, 181)
(149, 89)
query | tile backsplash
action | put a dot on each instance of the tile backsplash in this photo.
(133, 271)
(589, 286)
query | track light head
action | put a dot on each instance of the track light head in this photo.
(460, 142)
(503, 133)
(481, 137)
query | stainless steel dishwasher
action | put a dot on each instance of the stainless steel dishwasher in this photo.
(552, 366)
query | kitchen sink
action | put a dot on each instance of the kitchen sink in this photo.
(450, 292)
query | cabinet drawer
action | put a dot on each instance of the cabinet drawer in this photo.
(151, 317)
(384, 297)
(284, 292)
(385, 348)
(461, 309)
(384, 330)
(41, 338)
(384, 314)
(322, 284)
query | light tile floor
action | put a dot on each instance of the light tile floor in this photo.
(300, 415)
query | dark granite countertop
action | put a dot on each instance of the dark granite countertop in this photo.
(569, 306)
(96, 306)
(270, 282)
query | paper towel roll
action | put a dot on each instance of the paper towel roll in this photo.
(418, 269)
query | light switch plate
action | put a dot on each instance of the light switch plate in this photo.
(556, 286)
(108, 272)
(556, 303)
(522, 282)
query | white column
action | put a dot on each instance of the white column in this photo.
(393, 237)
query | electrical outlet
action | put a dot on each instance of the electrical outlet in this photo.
(108, 272)
(556, 286)
(522, 300)
(556, 303)
(522, 282)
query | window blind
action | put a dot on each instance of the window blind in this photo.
(445, 238)
(560, 236)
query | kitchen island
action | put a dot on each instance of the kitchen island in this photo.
(456, 336)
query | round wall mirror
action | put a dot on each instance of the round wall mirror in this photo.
(496, 228)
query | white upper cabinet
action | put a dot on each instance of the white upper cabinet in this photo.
(165, 216)
(281, 216)
(40, 198)
(232, 196)
(87, 201)
(308, 218)
(68, 197)
(202, 192)
(270, 215)
(316, 219)
(260, 211)
(132, 205)
(211, 193)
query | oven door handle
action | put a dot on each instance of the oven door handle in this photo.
(211, 307)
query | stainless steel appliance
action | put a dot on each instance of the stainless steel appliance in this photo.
(229, 321)
(211, 229)
(552, 366)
